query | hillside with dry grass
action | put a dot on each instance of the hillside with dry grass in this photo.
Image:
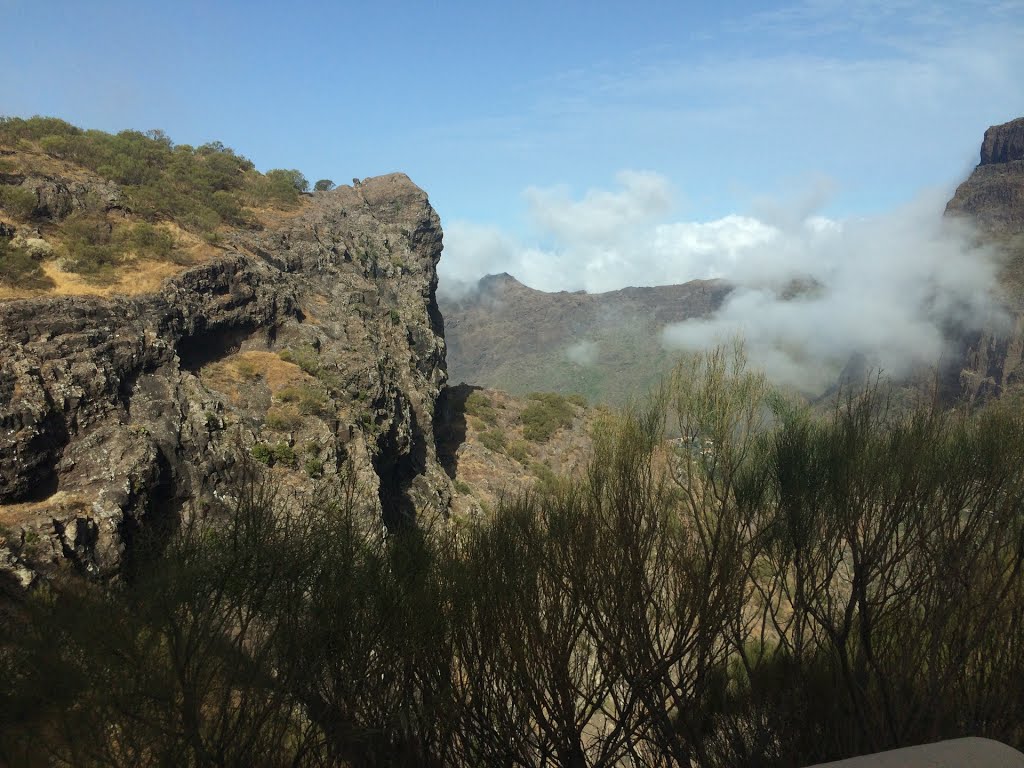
(90, 213)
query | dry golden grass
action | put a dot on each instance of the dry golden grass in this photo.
(29, 159)
(134, 276)
(235, 373)
(12, 515)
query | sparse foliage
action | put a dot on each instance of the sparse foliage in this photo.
(771, 588)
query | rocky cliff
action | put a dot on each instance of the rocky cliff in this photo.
(990, 363)
(309, 342)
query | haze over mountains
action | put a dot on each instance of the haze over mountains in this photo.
(902, 291)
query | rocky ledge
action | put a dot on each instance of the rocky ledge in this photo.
(123, 415)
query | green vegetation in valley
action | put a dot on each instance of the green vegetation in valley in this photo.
(546, 414)
(773, 588)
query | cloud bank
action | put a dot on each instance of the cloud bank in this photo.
(810, 291)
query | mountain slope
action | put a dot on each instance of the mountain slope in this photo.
(605, 346)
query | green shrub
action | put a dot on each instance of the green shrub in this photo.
(493, 440)
(270, 455)
(284, 418)
(577, 399)
(396, 319)
(285, 454)
(519, 450)
(546, 414)
(313, 466)
(262, 453)
(480, 405)
(311, 401)
(18, 201)
(462, 488)
(247, 369)
(277, 187)
(145, 240)
(306, 357)
(91, 246)
(19, 270)
(324, 185)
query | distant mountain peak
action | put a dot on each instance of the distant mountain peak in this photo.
(501, 279)
(1003, 143)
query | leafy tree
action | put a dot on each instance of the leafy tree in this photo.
(324, 185)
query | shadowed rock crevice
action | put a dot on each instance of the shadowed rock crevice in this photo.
(37, 477)
(211, 344)
(146, 531)
(398, 466)
(450, 425)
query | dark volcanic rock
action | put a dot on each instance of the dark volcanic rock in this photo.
(993, 196)
(985, 364)
(1003, 143)
(108, 426)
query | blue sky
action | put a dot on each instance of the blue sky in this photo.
(500, 109)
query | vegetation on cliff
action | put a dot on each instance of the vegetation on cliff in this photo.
(771, 588)
(134, 191)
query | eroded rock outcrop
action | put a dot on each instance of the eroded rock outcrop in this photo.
(111, 421)
(985, 364)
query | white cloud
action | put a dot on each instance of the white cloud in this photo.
(583, 353)
(887, 287)
(884, 286)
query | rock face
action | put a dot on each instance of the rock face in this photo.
(1003, 143)
(994, 194)
(989, 363)
(109, 424)
(606, 346)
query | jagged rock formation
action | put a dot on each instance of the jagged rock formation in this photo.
(606, 346)
(989, 363)
(112, 420)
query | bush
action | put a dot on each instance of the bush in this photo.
(280, 453)
(262, 453)
(478, 404)
(247, 369)
(18, 201)
(283, 418)
(145, 240)
(546, 414)
(311, 401)
(91, 246)
(324, 185)
(278, 187)
(306, 357)
(520, 451)
(494, 440)
(284, 454)
(19, 270)
(816, 588)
